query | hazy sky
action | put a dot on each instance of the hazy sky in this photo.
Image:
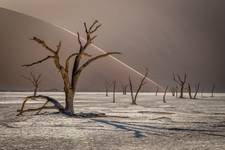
(165, 36)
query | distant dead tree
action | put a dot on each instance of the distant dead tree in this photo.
(35, 80)
(114, 91)
(157, 90)
(164, 96)
(195, 92)
(70, 80)
(124, 88)
(107, 86)
(213, 88)
(176, 91)
(180, 82)
(134, 97)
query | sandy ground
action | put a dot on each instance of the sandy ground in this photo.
(179, 124)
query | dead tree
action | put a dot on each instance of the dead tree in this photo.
(164, 96)
(134, 97)
(35, 80)
(124, 88)
(114, 91)
(176, 91)
(156, 92)
(180, 82)
(107, 86)
(196, 90)
(70, 80)
(213, 88)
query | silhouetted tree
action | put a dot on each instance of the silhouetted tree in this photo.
(134, 97)
(213, 88)
(180, 82)
(164, 96)
(114, 91)
(124, 88)
(157, 90)
(176, 91)
(70, 80)
(107, 86)
(195, 92)
(35, 80)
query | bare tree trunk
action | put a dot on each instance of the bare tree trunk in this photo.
(114, 91)
(189, 91)
(134, 97)
(180, 82)
(107, 86)
(176, 91)
(156, 92)
(196, 90)
(124, 90)
(69, 108)
(164, 96)
(213, 88)
(35, 90)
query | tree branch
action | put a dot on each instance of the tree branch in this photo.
(38, 62)
(58, 47)
(95, 58)
(41, 42)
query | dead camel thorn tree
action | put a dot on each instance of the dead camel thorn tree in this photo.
(107, 86)
(124, 88)
(114, 91)
(35, 80)
(213, 88)
(196, 90)
(164, 95)
(134, 97)
(70, 80)
(157, 90)
(180, 82)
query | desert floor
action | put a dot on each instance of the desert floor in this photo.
(182, 124)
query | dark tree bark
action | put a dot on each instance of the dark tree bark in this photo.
(114, 91)
(107, 86)
(180, 82)
(164, 96)
(35, 80)
(134, 97)
(213, 88)
(70, 80)
(196, 91)
(176, 91)
(156, 92)
(189, 91)
(124, 88)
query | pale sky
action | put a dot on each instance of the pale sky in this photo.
(165, 36)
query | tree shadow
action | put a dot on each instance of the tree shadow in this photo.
(140, 131)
